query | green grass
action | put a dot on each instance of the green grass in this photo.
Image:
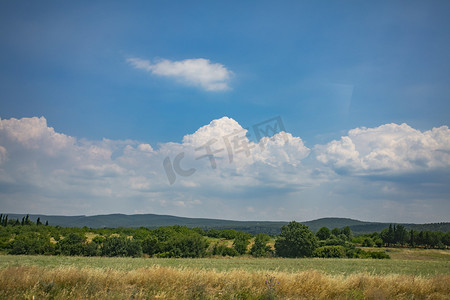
(328, 266)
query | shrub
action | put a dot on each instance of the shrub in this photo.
(224, 251)
(121, 246)
(187, 245)
(330, 252)
(368, 242)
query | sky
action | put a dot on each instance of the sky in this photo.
(244, 110)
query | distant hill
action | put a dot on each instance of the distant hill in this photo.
(154, 221)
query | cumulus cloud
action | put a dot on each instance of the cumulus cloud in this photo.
(43, 171)
(36, 159)
(388, 149)
(33, 133)
(198, 71)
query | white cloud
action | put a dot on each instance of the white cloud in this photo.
(198, 71)
(3, 155)
(43, 171)
(388, 149)
(33, 133)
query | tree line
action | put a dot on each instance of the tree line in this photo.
(295, 240)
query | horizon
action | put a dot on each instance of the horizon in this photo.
(244, 111)
(233, 220)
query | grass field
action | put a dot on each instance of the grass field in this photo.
(410, 274)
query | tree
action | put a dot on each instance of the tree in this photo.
(187, 245)
(214, 233)
(241, 242)
(150, 245)
(323, 234)
(446, 239)
(400, 234)
(336, 231)
(412, 241)
(121, 246)
(388, 235)
(73, 244)
(368, 242)
(295, 240)
(347, 232)
(260, 248)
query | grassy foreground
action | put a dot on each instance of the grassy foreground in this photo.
(50, 277)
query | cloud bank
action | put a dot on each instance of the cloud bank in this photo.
(388, 149)
(197, 72)
(218, 172)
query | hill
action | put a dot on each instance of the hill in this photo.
(154, 221)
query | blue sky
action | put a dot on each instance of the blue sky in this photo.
(152, 72)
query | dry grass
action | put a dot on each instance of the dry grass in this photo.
(28, 282)
(415, 253)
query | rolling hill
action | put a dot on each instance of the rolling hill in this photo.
(154, 221)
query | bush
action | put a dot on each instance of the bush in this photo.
(121, 246)
(151, 245)
(377, 255)
(330, 252)
(368, 242)
(187, 245)
(31, 243)
(72, 244)
(224, 251)
(91, 249)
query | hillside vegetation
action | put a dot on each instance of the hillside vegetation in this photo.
(253, 227)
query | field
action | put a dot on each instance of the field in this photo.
(410, 274)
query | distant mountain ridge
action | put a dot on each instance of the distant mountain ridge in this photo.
(270, 227)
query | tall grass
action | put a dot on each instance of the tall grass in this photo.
(33, 282)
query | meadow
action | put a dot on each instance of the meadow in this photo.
(410, 274)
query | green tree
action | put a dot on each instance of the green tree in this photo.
(323, 233)
(241, 242)
(388, 235)
(121, 246)
(336, 231)
(347, 232)
(400, 234)
(187, 245)
(412, 241)
(151, 245)
(368, 242)
(260, 247)
(295, 240)
(73, 244)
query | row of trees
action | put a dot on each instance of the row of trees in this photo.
(397, 235)
(4, 221)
